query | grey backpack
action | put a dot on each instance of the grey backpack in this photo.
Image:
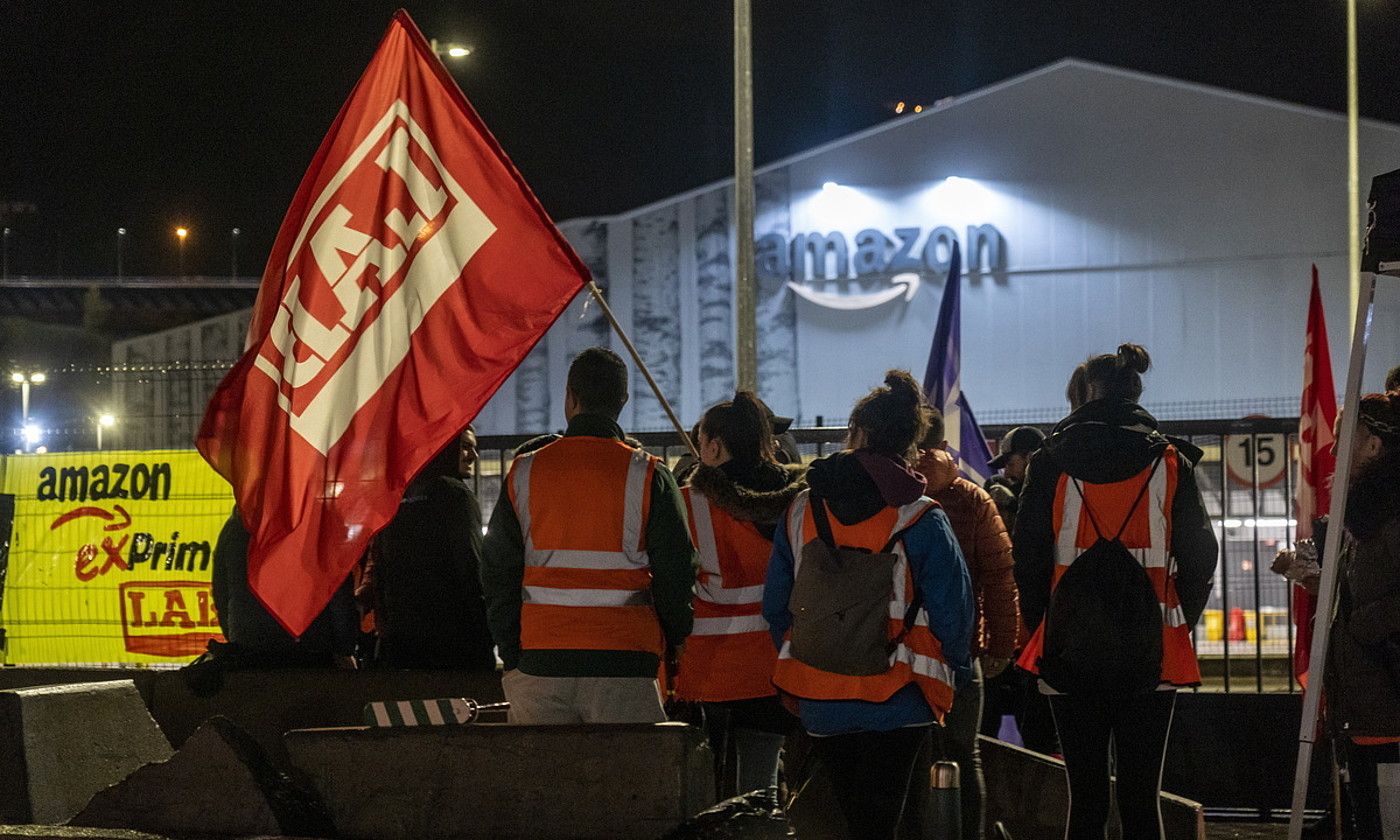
(840, 604)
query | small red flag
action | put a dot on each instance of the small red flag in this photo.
(412, 274)
(1317, 417)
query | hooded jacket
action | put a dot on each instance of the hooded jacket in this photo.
(1105, 441)
(741, 504)
(986, 548)
(856, 486)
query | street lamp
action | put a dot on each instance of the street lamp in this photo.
(24, 380)
(450, 49)
(233, 252)
(5, 259)
(180, 234)
(105, 420)
(121, 241)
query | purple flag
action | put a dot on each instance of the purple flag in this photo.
(943, 382)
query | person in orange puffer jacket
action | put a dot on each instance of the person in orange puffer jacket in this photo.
(987, 549)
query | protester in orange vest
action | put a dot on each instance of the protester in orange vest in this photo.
(977, 524)
(587, 565)
(869, 602)
(1115, 557)
(1363, 661)
(736, 499)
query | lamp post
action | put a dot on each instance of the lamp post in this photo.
(121, 243)
(180, 234)
(449, 49)
(24, 380)
(233, 253)
(105, 420)
(5, 259)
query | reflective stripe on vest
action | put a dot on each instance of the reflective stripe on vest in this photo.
(1147, 537)
(729, 655)
(587, 577)
(918, 658)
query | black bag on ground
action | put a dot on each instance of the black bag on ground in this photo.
(840, 604)
(1103, 629)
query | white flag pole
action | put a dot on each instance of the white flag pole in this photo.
(1331, 553)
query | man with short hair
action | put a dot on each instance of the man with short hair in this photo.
(588, 566)
(1013, 455)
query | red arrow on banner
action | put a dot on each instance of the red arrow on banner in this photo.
(100, 513)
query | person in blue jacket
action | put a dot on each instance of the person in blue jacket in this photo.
(870, 747)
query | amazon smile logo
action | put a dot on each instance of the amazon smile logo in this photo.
(823, 269)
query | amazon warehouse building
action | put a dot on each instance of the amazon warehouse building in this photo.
(1092, 206)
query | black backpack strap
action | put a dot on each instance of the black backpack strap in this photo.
(820, 519)
(1142, 492)
(1140, 496)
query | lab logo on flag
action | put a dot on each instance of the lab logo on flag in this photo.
(390, 233)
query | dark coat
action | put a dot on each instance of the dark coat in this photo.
(1363, 662)
(1107, 441)
(428, 604)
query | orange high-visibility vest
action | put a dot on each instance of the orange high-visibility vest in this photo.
(582, 503)
(917, 659)
(730, 654)
(1148, 537)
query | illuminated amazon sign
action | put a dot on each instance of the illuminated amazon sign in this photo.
(825, 269)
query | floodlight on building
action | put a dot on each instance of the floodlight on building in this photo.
(37, 378)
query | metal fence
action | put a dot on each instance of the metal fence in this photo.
(1247, 477)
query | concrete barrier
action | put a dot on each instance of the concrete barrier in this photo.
(507, 782)
(59, 745)
(1029, 793)
(268, 704)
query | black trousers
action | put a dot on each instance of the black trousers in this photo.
(870, 772)
(1363, 768)
(1137, 726)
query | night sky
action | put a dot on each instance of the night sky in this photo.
(146, 115)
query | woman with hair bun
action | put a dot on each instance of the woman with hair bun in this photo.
(871, 665)
(1114, 560)
(735, 500)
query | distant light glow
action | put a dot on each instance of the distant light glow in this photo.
(830, 186)
(899, 107)
(37, 378)
(182, 232)
(458, 52)
(32, 434)
(17, 377)
(106, 420)
(121, 231)
(918, 109)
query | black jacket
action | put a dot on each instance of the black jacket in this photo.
(1363, 661)
(1107, 441)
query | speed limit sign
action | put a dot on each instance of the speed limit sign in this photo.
(1249, 455)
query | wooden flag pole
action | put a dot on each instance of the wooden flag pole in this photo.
(1331, 554)
(642, 366)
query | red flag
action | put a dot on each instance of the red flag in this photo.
(1316, 461)
(413, 272)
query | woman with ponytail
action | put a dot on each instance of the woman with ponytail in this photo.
(870, 665)
(1114, 560)
(735, 499)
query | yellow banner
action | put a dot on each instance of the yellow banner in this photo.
(110, 557)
